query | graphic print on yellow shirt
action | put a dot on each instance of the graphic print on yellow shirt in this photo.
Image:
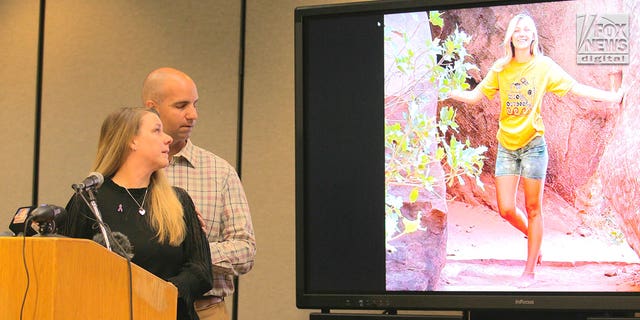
(520, 98)
(522, 87)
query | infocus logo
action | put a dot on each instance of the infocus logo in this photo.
(523, 301)
(602, 39)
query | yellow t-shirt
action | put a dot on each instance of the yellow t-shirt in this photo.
(522, 87)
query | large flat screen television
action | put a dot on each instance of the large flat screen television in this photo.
(396, 195)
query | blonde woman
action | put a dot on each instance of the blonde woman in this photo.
(137, 201)
(522, 77)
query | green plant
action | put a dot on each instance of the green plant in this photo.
(461, 158)
(419, 140)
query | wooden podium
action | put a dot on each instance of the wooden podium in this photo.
(77, 279)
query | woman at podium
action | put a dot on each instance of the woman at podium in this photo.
(136, 200)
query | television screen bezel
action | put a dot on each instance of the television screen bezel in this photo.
(437, 300)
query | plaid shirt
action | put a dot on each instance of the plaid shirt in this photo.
(217, 192)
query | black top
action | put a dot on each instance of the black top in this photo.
(188, 266)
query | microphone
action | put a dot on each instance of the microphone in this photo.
(123, 246)
(47, 213)
(89, 185)
(47, 216)
(94, 180)
(19, 219)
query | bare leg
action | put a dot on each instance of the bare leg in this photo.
(506, 187)
(533, 190)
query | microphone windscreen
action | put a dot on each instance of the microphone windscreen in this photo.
(120, 244)
(96, 179)
(19, 219)
(48, 213)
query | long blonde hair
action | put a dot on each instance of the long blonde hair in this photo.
(165, 209)
(509, 50)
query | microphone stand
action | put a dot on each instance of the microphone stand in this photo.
(93, 205)
(96, 213)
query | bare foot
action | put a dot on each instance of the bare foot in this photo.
(539, 262)
(525, 280)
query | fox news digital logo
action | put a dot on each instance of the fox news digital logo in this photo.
(602, 39)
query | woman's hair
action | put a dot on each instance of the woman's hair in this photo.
(509, 50)
(165, 210)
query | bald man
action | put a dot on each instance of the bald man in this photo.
(211, 181)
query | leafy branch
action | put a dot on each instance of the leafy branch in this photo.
(418, 140)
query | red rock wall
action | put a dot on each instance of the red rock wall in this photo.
(594, 152)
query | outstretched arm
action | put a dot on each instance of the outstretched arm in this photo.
(469, 97)
(597, 94)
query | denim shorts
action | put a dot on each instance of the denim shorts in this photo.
(529, 161)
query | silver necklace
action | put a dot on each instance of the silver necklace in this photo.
(141, 210)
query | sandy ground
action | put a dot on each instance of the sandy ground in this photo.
(485, 253)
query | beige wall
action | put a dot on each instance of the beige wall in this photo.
(18, 35)
(96, 55)
(98, 52)
(268, 164)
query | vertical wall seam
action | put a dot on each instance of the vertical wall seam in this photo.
(241, 58)
(38, 106)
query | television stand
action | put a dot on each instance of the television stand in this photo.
(547, 315)
(390, 314)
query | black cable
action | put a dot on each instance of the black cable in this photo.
(24, 262)
(130, 289)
